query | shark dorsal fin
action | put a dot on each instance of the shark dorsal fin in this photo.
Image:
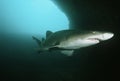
(48, 33)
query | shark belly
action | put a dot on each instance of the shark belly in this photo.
(75, 44)
(71, 44)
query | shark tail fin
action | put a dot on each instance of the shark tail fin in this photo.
(37, 40)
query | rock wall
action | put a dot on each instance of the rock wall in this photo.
(91, 14)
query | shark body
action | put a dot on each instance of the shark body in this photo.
(68, 40)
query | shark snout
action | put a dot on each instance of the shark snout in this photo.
(107, 36)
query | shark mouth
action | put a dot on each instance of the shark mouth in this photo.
(94, 39)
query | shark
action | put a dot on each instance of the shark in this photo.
(67, 41)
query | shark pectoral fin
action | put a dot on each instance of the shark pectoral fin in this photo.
(68, 52)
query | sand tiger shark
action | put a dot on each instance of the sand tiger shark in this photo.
(66, 41)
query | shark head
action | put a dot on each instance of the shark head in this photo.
(77, 40)
(94, 37)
